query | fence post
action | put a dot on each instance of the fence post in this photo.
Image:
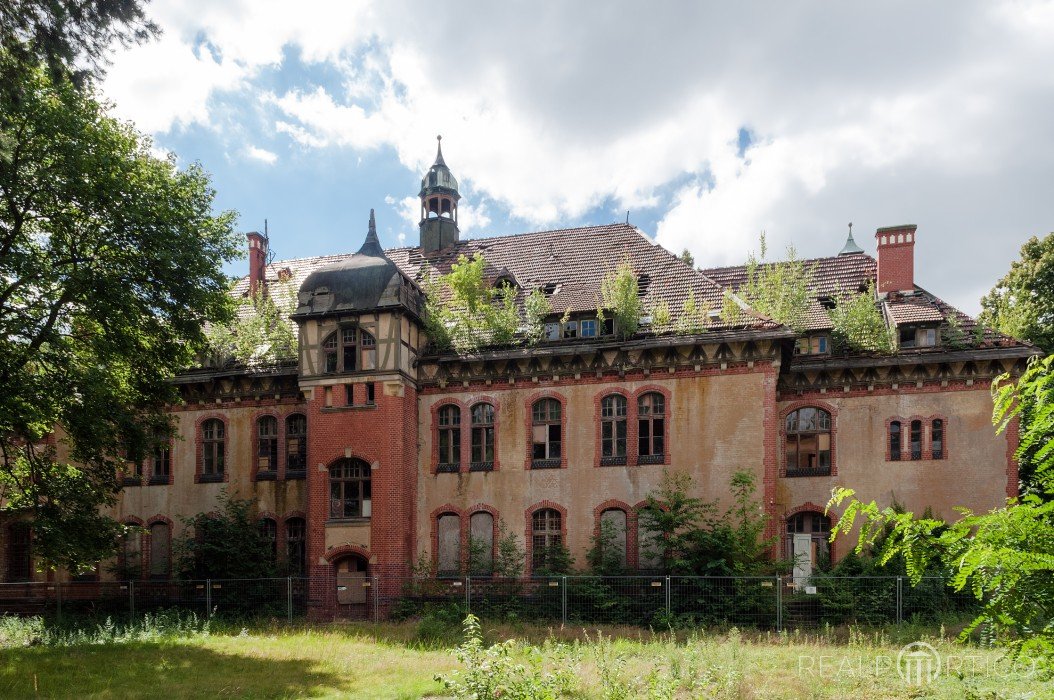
(669, 611)
(131, 599)
(208, 599)
(900, 599)
(376, 599)
(289, 597)
(563, 599)
(779, 603)
(58, 596)
(468, 595)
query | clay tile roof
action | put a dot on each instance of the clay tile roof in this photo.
(916, 309)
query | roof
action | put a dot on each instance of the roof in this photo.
(568, 264)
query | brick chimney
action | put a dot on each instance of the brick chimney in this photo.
(257, 262)
(896, 258)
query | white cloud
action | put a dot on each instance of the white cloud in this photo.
(262, 155)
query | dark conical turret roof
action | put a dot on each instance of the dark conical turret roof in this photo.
(439, 178)
(850, 247)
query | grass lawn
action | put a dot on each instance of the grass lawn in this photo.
(389, 661)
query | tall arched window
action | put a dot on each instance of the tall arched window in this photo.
(161, 470)
(269, 534)
(481, 543)
(20, 551)
(296, 546)
(612, 542)
(212, 449)
(130, 558)
(808, 442)
(267, 447)
(448, 544)
(295, 443)
(937, 439)
(894, 441)
(160, 551)
(651, 427)
(482, 437)
(546, 433)
(916, 439)
(449, 438)
(613, 429)
(349, 489)
(348, 350)
(546, 538)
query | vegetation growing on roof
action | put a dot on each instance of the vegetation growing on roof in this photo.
(779, 290)
(464, 312)
(695, 316)
(858, 324)
(260, 335)
(620, 296)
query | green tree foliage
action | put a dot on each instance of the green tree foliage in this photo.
(858, 324)
(463, 311)
(70, 37)
(779, 290)
(110, 268)
(694, 317)
(1004, 557)
(225, 545)
(509, 560)
(1021, 304)
(691, 537)
(606, 555)
(620, 296)
(661, 320)
(687, 258)
(261, 335)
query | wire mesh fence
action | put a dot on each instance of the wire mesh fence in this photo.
(764, 602)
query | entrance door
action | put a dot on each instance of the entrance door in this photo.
(802, 559)
(351, 574)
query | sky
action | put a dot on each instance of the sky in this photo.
(708, 122)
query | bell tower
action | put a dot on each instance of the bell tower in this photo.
(439, 198)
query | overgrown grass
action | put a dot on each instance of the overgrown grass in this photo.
(173, 656)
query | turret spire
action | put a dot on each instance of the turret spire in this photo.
(439, 152)
(439, 198)
(372, 245)
(851, 248)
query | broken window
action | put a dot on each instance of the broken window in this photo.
(613, 430)
(212, 449)
(295, 443)
(917, 337)
(482, 437)
(349, 489)
(571, 329)
(894, 441)
(269, 533)
(546, 538)
(545, 433)
(449, 438)
(937, 439)
(651, 427)
(916, 439)
(267, 445)
(808, 446)
(812, 345)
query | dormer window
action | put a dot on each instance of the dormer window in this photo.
(588, 328)
(348, 350)
(917, 337)
(812, 345)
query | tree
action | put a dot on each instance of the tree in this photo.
(62, 33)
(261, 335)
(857, 324)
(779, 290)
(225, 545)
(110, 269)
(1004, 557)
(687, 258)
(1021, 304)
(620, 296)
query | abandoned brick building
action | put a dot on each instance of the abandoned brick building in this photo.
(372, 450)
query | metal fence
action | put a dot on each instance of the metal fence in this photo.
(766, 602)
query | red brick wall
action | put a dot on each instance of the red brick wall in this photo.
(896, 258)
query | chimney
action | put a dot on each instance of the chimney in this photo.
(896, 258)
(257, 262)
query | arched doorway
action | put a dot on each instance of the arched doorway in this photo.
(353, 586)
(808, 543)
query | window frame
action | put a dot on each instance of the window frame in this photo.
(797, 470)
(212, 450)
(166, 574)
(612, 423)
(448, 430)
(364, 489)
(298, 471)
(897, 454)
(650, 419)
(346, 343)
(942, 451)
(548, 461)
(487, 432)
(551, 535)
(295, 538)
(266, 447)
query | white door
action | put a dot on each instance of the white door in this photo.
(802, 558)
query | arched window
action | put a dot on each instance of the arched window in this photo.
(368, 344)
(160, 551)
(808, 442)
(916, 439)
(546, 433)
(613, 430)
(546, 538)
(449, 438)
(295, 443)
(612, 540)
(212, 452)
(296, 546)
(808, 544)
(448, 544)
(651, 428)
(329, 353)
(894, 441)
(269, 534)
(349, 489)
(20, 552)
(348, 349)
(482, 437)
(481, 544)
(161, 470)
(937, 438)
(267, 446)
(130, 558)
